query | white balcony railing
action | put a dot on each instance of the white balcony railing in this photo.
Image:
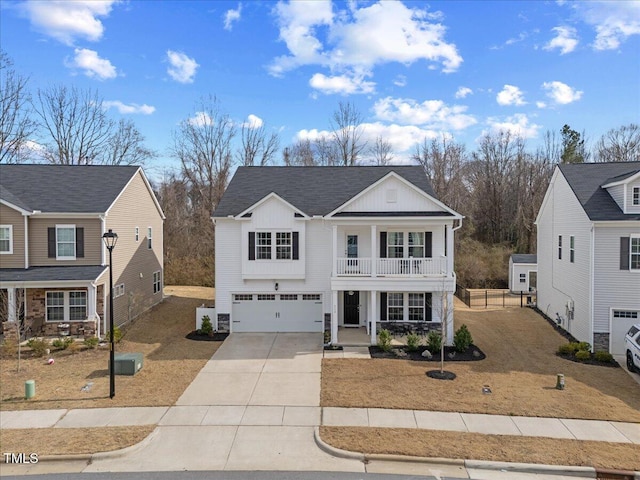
(386, 267)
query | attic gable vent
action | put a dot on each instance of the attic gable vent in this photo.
(392, 195)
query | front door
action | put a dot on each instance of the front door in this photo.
(352, 308)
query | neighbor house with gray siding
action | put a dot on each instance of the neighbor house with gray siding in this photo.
(312, 249)
(589, 251)
(54, 273)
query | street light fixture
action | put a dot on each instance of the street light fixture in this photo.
(110, 239)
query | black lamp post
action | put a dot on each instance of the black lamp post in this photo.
(110, 240)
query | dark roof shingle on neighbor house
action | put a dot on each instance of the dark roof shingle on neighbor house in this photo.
(587, 179)
(55, 273)
(63, 188)
(313, 190)
(524, 258)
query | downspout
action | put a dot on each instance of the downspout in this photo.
(26, 242)
(103, 225)
(592, 287)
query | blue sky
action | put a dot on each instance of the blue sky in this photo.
(412, 69)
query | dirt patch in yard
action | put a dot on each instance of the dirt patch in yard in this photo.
(70, 441)
(474, 446)
(520, 369)
(171, 361)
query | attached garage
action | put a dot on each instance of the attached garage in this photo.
(273, 312)
(621, 322)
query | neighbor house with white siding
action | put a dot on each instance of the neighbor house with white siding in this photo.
(54, 274)
(309, 249)
(589, 251)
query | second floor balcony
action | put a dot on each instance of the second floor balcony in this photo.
(391, 267)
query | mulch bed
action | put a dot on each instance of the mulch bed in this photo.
(591, 361)
(472, 354)
(216, 337)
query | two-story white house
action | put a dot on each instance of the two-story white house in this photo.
(308, 249)
(589, 251)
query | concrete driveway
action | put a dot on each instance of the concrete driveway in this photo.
(253, 406)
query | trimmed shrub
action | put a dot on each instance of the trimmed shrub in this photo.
(583, 355)
(462, 339)
(434, 341)
(568, 348)
(38, 346)
(206, 328)
(584, 346)
(117, 335)
(384, 340)
(413, 342)
(604, 357)
(91, 342)
(62, 343)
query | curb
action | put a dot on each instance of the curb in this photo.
(126, 450)
(336, 452)
(570, 471)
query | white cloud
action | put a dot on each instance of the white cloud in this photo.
(510, 95)
(431, 113)
(253, 121)
(517, 124)
(132, 108)
(341, 84)
(92, 65)
(182, 68)
(561, 93)
(613, 21)
(541, 104)
(400, 81)
(65, 21)
(200, 119)
(463, 92)
(566, 40)
(232, 16)
(357, 39)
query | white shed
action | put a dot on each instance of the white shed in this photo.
(523, 270)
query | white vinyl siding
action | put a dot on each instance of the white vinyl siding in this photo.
(6, 239)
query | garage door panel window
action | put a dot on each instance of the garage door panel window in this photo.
(311, 296)
(625, 314)
(243, 297)
(266, 297)
(288, 297)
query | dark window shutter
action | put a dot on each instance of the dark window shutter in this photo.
(383, 246)
(624, 253)
(252, 245)
(296, 249)
(79, 242)
(51, 241)
(428, 307)
(445, 242)
(383, 306)
(428, 244)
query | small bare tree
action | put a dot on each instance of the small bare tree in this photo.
(299, 154)
(619, 145)
(126, 146)
(16, 125)
(347, 133)
(21, 325)
(381, 151)
(257, 146)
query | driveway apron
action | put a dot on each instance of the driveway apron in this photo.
(253, 406)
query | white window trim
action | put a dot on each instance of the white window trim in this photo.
(10, 251)
(287, 247)
(422, 307)
(631, 253)
(157, 282)
(572, 249)
(635, 190)
(58, 257)
(273, 245)
(149, 238)
(118, 290)
(66, 305)
(405, 243)
(406, 306)
(137, 234)
(402, 306)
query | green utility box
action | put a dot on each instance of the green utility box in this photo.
(127, 363)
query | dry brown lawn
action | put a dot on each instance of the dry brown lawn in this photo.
(520, 369)
(474, 446)
(170, 363)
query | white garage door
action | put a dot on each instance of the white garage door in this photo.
(621, 321)
(273, 312)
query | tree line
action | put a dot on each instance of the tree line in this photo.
(498, 186)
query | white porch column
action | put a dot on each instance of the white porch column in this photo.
(374, 250)
(11, 304)
(334, 244)
(449, 251)
(92, 296)
(334, 316)
(373, 317)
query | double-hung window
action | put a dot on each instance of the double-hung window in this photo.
(66, 306)
(77, 305)
(283, 245)
(157, 282)
(6, 239)
(395, 244)
(523, 278)
(559, 247)
(635, 198)
(416, 244)
(395, 305)
(416, 307)
(65, 242)
(634, 253)
(149, 236)
(572, 249)
(263, 245)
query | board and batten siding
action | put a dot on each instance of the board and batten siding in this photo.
(560, 281)
(38, 241)
(133, 262)
(613, 288)
(9, 216)
(392, 195)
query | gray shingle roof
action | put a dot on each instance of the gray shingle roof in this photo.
(524, 258)
(586, 180)
(313, 190)
(48, 274)
(63, 188)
